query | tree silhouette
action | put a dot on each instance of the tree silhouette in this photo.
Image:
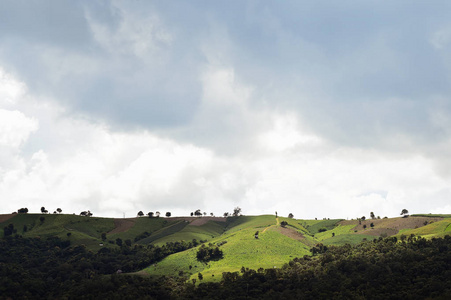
(372, 216)
(140, 213)
(168, 214)
(236, 211)
(150, 214)
(404, 213)
(290, 215)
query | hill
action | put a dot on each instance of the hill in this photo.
(234, 236)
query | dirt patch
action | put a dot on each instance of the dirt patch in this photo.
(4, 218)
(291, 233)
(388, 226)
(203, 220)
(122, 225)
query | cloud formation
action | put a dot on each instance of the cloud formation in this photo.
(321, 110)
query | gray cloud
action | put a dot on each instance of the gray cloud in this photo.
(278, 98)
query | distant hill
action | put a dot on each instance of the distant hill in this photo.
(235, 236)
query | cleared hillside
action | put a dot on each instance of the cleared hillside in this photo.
(235, 236)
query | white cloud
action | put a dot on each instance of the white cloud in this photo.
(284, 115)
(15, 128)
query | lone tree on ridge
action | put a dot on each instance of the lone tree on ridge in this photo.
(237, 211)
(405, 213)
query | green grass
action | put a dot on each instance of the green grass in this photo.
(436, 229)
(143, 224)
(314, 227)
(204, 232)
(339, 230)
(164, 232)
(242, 249)
(351, 239)
(272, 249)
(234, 224)
(83, 230)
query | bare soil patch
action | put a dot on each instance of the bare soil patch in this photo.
(389, 226)
(291, 233)
(202, 220)
(122, 225)
(4, 218)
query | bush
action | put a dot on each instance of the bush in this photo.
(322, 229)
(211, 252)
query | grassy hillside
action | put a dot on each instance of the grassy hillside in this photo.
(275, 245)
(240, 248)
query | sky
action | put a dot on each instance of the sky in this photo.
(322, 109)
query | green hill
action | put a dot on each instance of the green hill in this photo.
(235, 236)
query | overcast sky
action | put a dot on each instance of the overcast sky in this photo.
(316, 108)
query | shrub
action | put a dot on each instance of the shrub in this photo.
(209, 253)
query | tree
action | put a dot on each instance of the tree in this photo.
(22, 210)
(405, 213)
(103, 236)
(290, 215)
(150, 214)
(192, 214)
(119, 242)
(372, 216)
(372, 225)
(86, 214)
(284, 224)
(363, 218)
(140, 213)
(211, 214)
(205, 213)
(168, 214)
(226, 214)
(43, 210)
(200, 276)
(198, 213)
(59, 210)
(236, 211)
